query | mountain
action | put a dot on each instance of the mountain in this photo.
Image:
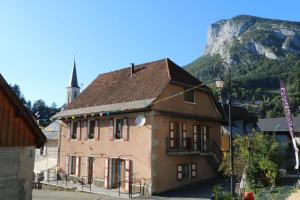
(259, 51)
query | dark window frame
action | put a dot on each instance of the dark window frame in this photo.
(74, 130)
(189, 96)
(92, 126)
(118, 133)
(42, 150)
(72, 165)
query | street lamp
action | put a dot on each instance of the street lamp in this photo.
(220, 85)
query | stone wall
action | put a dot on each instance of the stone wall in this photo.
(16, 172)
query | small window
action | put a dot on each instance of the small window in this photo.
(183, 171)
(42, 150)
(119, 127)
(91, 129)
(73, 165)
(74, 130)
(189, 96)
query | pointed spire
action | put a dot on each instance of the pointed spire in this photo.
(73, 79)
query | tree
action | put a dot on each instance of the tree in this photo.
(257, 156)
(39, 109)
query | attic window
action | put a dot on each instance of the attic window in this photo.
(189, 96)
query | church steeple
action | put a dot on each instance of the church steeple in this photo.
(73, 89)
(73, 79)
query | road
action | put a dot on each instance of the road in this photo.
(197, 191)
(63, 195)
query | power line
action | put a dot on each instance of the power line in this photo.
(180, 93)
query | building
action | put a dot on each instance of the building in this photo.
(279, 127)
(46, 156)
(243, 123)
(137, 124)
(19, 135)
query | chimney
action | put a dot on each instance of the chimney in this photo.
(132, 69)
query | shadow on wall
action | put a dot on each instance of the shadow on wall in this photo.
(202, 189)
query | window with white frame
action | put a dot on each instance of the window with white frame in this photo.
(189, 96)
(72, 165)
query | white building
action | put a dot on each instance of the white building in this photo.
(46, 156)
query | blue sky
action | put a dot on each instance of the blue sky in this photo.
(38, 39)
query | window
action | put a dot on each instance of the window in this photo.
(91, 129)
(43, 151)
(119, 127)
(74, 130)
(183, 171)
(73, 165)
(189, 96)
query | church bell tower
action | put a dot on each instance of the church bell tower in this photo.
(73, 90)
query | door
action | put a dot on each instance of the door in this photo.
(118, 174)
(90, 169)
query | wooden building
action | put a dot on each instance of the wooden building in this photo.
(19, 135)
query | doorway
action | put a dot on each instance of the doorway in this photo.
(90, 169)
(117, 173)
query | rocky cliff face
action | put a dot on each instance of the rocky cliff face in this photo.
(260, 52)
(271, 38)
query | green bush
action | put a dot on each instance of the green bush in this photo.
(220, 194)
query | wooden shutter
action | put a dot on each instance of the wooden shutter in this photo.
(125, 129)
(69, 131)
(106, 173)
(128, 172)
(77, 165)
(184, 142)
(204, 137)
(171, 135)
(179, 172)
(195, 138)
(78, 134)
(194, 170)
(85, 130)
(67, 165)
(97, 130)
(111, 129)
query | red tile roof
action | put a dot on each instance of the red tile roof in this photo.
(147, 82)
